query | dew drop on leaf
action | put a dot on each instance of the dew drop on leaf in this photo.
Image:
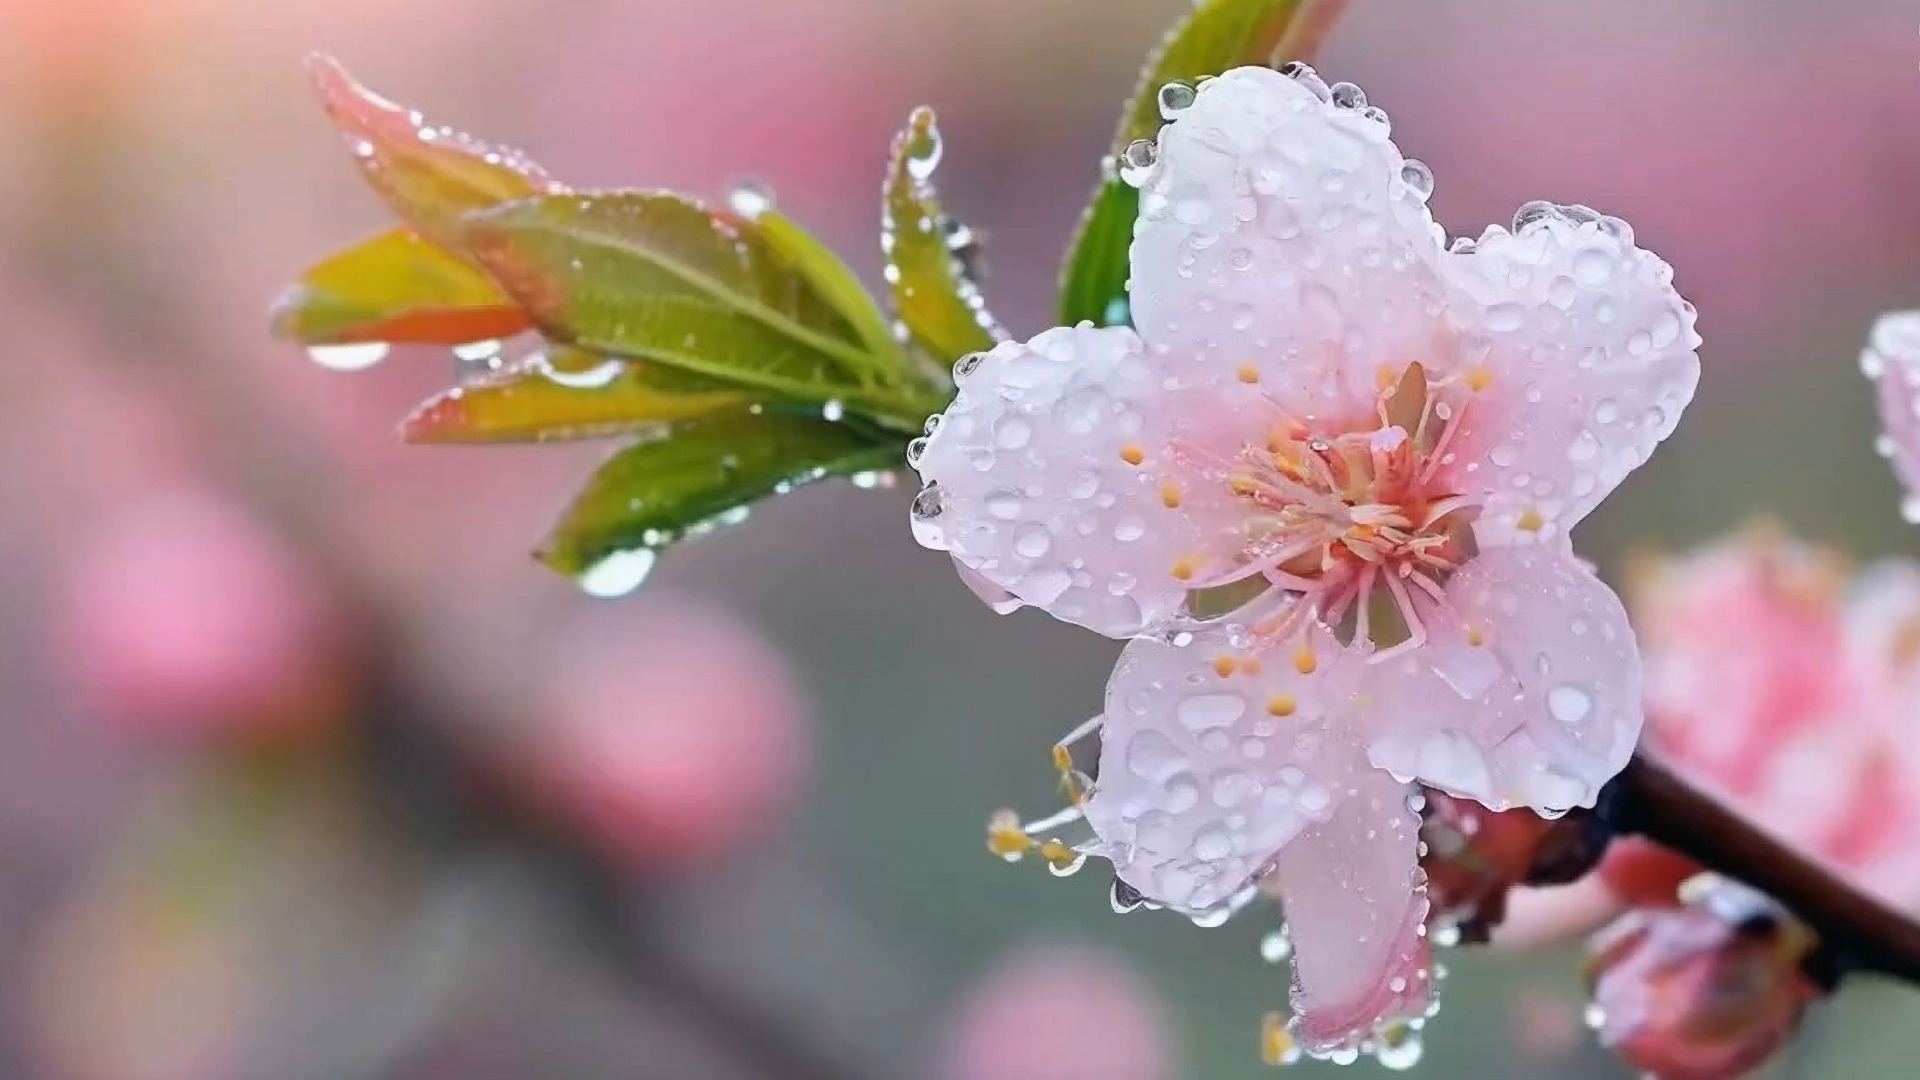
(618, 574)
(348, 357)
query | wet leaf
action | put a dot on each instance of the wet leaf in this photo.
(1215, 36)
(830, 276)
(430, 175)
(657, 276)
(933, 290)
(395, 287)
(696, 472)
(566, 394)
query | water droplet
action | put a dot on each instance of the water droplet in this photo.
(1012, 432)
(1534, 213)
(1399, 1053)
(1606, 411)
(1346, 95)
(1212, 917)
(593, 378)
(1506, 317)
(1569, 703)
(1276, 947)
(617, 574)
(1124, 897)
(928, 506)
(1592, 266)
(1584, 447)
(1137, 162)
(1504, 455)
(750, 199)
(1418, 178)
(348, 357)
(1910, 509)
(967, 365)
(1206, 711)
(1176, 98)
(833, 411)
(1033, 542)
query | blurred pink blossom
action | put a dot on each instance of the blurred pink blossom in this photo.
(1325, 403)
(181, 614)
(1057, 1013)
(1774, 679)
(673, 734)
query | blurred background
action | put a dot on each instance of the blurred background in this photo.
(307, 770)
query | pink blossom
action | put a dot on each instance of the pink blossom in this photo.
(184, 616)
(677, 740)
(1775, 679)
(1059, 1013)
(1385, 439)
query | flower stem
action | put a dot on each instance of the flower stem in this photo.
(1858, 931)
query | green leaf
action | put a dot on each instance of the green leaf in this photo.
(657, 276)
(1216, 35)
(830, 276)
(430, 175)
(395, 287)
(933, 293)
(698, 472)
(567, 394)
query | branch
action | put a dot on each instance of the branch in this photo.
(1859, 931)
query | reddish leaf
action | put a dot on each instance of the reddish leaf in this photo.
(574, 395)
(430, 175)
(395, 287)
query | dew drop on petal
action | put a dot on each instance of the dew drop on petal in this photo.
(1569, 703)
(1175, 98)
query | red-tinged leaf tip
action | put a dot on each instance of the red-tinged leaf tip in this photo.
(429, 174)
(395, 288)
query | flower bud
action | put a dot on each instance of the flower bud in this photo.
(1475, 855)
(1708, 991)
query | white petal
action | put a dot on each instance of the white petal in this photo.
(1048, 477)
(1542, 712)
(1277, 231)
(1204, 776)
(1355, 901)
(1592, 357)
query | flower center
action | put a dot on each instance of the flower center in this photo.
(1344, 518)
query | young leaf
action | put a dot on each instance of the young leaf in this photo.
(430, 175)
(397, 288)
(657, 276)
(933, 293)
(831, 278)
(1215, 36)
(568, 394)
(656, 492)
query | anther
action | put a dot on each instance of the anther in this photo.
(1132, 454)
(1281, 705)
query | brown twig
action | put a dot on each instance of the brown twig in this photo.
(1860, 932)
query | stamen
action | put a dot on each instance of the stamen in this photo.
(1224, 666)
(1479, 378)
(1281, 705)
(1132, 454)
(1303, 659)
(1277, 1047)
(1170, 496)
(1249, 374)
(1530, 520)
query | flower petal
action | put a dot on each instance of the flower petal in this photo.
(1052, 476)
(1544, 710)
(1212, 758)
(1355, 902)
(1278, 231)
(1586, 355)
(1892, 359)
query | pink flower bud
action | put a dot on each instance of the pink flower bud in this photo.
(1059, 1014)
(1704, 992)
(185, 616)
(673, 738)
